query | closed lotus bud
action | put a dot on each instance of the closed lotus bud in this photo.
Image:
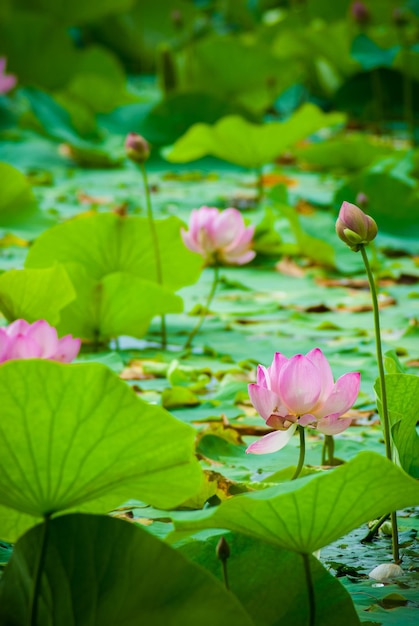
(362, 200)
(137, 148)
(360, 13)
(354, 227)
(223, 549)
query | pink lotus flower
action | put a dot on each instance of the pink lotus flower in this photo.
(21, 340)
(7, 81)
(219, 236)
(300, 391)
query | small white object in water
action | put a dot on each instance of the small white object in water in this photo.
(386, 571)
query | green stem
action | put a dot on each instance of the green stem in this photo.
(204, 310)
(375, 528)
(330, 443)
(301, 458)
(386, 419)
(225, 575)
(155, 240)
(33, 610)
(310, 591)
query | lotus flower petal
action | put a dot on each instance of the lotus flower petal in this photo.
(220, 237)
(67, 349)
(265, 401)
(272, 442)
(333, 424)
(24, 348)
(343, 395)
(45, 336)
(299, 385)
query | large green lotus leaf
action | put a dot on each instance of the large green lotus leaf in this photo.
(99, 81)
(369, 55)
(309, 513)
(352, 152)
(35, 294)
(118, 304)
(101, 571)
(330, 11)
(250, 145)
(172, 117)
(403, 406)
(107, 244)
(272, 590)
(18, 207)
(252, 76)
(30, 40)
(77, 437)
(77, 12)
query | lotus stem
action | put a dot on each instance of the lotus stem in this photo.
(301, 458)
(385, 415)
(33, 607)
(155, 241)
(310, 590)
(204, 310)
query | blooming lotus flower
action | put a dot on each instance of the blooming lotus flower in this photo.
(301, 391)
(219, 236)
(21, 340)
(7, 81)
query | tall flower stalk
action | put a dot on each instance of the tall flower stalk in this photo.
(138, 150)
(357, 230)
(221, 238)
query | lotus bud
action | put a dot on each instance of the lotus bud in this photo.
(362, 200)
(223, 550)
(354, 227)
(360, 13)
(176, 18)
(137, 148)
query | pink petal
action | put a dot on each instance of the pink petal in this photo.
(45, 336)
(242, 241)
(342, 396)
(189, 241)
(332, 425)
(274, 369)
(18, 327)
(229, 226)
(299, 385)
(272, 442)
(317, 357)
(4, 345)
(22, 347)
(307, 420)
(262, 377)
(241, 259)
(67, 350)
(265, 401)
(7, 82)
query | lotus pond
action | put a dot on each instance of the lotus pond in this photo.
(209, 344)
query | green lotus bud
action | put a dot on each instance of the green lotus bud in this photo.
(137, 148)
(354, 227)
(223, 550)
